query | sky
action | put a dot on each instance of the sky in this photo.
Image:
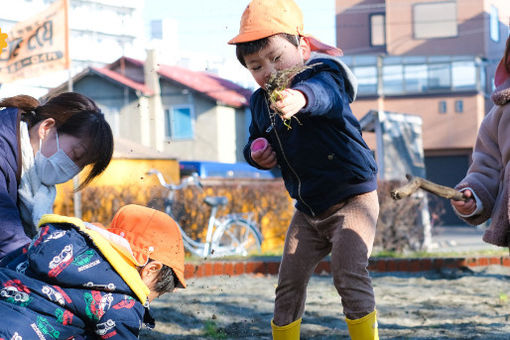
(207, 25)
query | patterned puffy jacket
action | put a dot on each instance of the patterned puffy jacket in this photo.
(70, 283)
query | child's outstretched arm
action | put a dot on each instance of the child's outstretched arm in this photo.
(485, 173)
(324, 93)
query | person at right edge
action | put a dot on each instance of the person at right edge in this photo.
(326, 166)
(487, 181)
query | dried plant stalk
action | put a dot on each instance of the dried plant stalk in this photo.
(279, 81)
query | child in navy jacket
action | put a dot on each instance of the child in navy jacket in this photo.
(326, 166)
(76, 280)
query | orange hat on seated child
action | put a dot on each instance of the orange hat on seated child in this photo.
(264, 18)
(151, 234)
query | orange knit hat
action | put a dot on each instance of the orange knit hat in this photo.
(151, 234)
(264, 18)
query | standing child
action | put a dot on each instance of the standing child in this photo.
(488, 179)
(327, 167)
(77, 280)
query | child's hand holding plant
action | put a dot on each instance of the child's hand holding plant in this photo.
(289, 103)
(282, 99)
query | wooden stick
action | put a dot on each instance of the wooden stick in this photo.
(416, 183)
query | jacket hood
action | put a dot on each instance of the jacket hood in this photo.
(351, 82)
(501, 94)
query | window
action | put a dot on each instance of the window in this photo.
(459, 106)
(156, 29)
(392, 79)
(494, 24)
(415, 77)
(179, 122)
(392, 75)
(439, 76)
(442, 106)
(377, 30)
(463, 74)
(435, 20)
(367, 79)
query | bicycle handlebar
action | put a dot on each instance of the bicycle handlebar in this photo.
(192, 180)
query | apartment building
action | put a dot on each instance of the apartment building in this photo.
(431, 58)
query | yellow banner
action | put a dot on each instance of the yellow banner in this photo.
(38, 45)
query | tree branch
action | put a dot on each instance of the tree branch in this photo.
(416, 183)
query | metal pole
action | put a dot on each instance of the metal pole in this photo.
(76, 179)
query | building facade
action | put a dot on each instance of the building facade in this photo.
(179, 113)
(431, 58)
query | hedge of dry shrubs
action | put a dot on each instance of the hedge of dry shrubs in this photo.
(265, 202)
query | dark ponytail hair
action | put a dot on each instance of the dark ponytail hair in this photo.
(76, 115)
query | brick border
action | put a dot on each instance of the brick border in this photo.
(270, 266)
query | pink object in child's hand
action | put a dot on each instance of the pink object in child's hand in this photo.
(259, 144)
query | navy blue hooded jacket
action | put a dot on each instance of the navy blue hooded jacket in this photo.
(323, 157)
(12, 235)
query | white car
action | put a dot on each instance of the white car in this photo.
(109, 287)
(65, 255)
(53, 295)
(104, 327)
(13, 292)
(54, 236)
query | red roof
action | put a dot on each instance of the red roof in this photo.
(217, 88)
(222, 90)
(123, 80)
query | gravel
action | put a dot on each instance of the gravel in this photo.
(446, 304)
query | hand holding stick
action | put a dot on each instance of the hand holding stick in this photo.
(416, 183)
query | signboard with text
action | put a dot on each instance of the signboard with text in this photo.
(38, 45)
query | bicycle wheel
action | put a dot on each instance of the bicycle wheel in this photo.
(235, 237)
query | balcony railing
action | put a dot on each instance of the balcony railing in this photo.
(382, 75)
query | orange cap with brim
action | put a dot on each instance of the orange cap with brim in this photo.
(151, 234)
(264, 18)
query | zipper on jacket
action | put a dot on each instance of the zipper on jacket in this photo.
(288, 164)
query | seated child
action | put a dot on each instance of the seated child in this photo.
(77, 280)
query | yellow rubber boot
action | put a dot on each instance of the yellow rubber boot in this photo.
(287, 332)
(364, 328)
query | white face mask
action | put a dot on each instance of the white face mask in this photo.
(58, 168)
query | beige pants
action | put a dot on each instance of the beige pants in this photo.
(346, 230)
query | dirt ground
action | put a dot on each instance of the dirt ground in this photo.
(448, 304)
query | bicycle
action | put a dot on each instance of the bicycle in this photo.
(230, 235)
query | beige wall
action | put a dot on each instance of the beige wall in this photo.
(353, 28)
(352, 25)
(243, 118)
(400, 34)
(450, 130)
(216, 128)
(130, 122)
(220, 131)
(226, 126)
(204, 145)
